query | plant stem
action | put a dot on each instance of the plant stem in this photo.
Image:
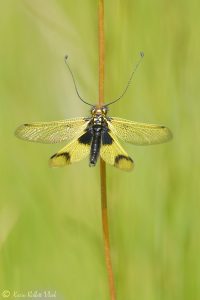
(101, 52)
(102, 163)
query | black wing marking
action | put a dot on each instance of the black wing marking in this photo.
(113, 153)
(75, 151)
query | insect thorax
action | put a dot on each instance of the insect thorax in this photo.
(99, 116)
(98, 120)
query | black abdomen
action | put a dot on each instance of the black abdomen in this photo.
(96, 144)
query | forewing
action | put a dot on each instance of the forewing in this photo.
(75, 151)
(113, 154)
(139, 133)
(52, 132)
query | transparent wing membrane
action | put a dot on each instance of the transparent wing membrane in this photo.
(139, 133)
(52, 132)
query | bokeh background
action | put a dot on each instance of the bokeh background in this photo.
(50, 219)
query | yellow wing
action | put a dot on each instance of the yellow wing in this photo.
(75, 151)
(52, 132)
(139, 133)
(113, 154)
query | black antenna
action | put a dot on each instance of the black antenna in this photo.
(129, 82)
(66, 57)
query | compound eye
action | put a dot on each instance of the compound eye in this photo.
(104, 110)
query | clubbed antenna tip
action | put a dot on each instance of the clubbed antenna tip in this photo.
(141, 53)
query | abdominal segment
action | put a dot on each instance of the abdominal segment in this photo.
(95, 145)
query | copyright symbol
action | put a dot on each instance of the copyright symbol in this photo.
(6, 294)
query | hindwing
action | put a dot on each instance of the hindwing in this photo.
(113, 153)
(75, 151)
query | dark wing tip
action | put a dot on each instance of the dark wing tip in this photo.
(124, 162)
(60, 159)
(120, 156)
(64, 154)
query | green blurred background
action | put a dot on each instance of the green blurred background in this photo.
(50, 219)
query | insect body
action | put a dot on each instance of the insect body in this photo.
(94, 136)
